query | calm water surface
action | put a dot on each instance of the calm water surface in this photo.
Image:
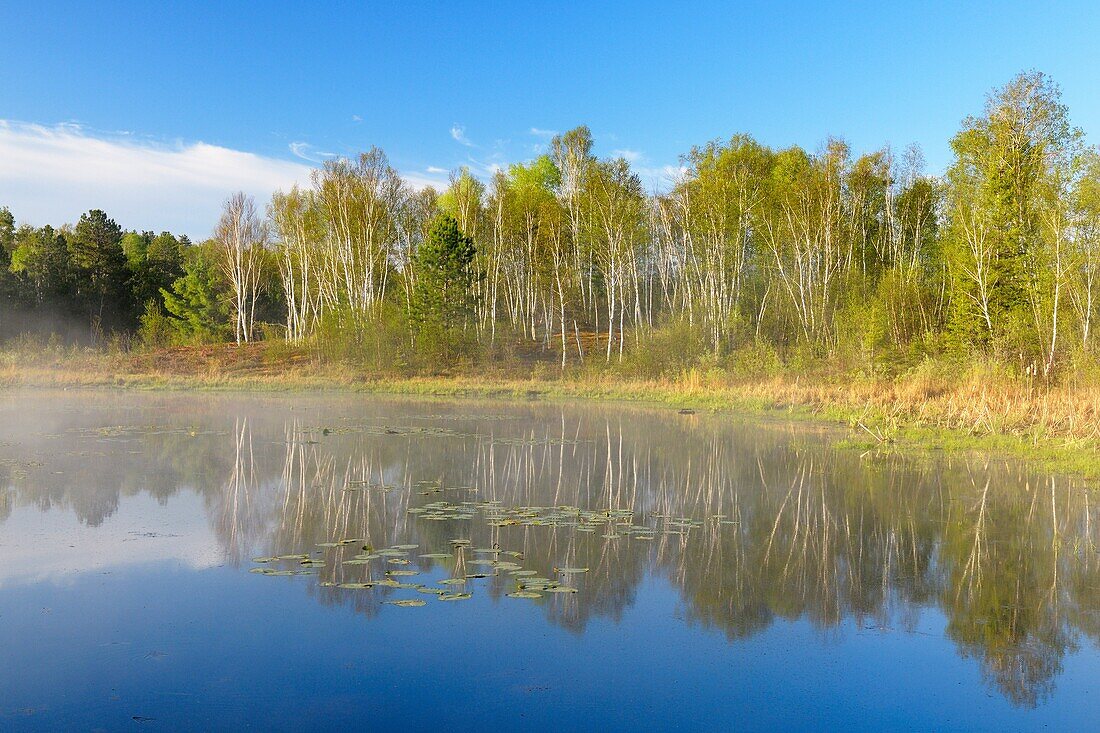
(745, 574)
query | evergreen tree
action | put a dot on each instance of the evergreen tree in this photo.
(198, 300)
(99, 264)
(445, 276)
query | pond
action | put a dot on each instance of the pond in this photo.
(224, 562)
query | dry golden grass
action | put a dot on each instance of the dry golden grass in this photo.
(980, 401)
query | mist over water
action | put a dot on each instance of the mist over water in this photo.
(749, 572)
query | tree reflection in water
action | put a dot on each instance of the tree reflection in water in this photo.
(792, 527)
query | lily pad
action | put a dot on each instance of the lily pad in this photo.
(525, 594)
(431, 591)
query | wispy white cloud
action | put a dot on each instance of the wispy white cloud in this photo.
(434, 179)
(50, 174)
(305, 151)
(660, 178)
(436, 169)
(631, 156)
(539, 132)
(458, 132)
(356, 118)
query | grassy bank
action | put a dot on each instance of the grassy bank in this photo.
(935, 409)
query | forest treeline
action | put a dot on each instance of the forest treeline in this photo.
(754, 259)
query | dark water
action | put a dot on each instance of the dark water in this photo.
(741, 573)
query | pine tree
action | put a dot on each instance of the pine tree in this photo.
(443, 295)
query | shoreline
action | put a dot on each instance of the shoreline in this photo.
(1052, 429)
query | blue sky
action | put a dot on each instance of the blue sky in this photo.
(156, 114)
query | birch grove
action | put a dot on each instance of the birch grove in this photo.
(746, 245)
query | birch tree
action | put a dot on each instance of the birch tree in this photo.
(241, 236)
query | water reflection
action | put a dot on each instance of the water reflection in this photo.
(791, 527)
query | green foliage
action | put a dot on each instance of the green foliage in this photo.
(668, 351)
(198, 300)
(153, 261)
(7, 235)
(99, 266)
(822, 260)
(443, 297)
(41, 259)
(155, 329)
(1007, 220)
(376, 346)
(462, 200)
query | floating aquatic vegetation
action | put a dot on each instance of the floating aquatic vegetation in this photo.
(525, 594)
(431, 591)
(493, 560)
(408, 603)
